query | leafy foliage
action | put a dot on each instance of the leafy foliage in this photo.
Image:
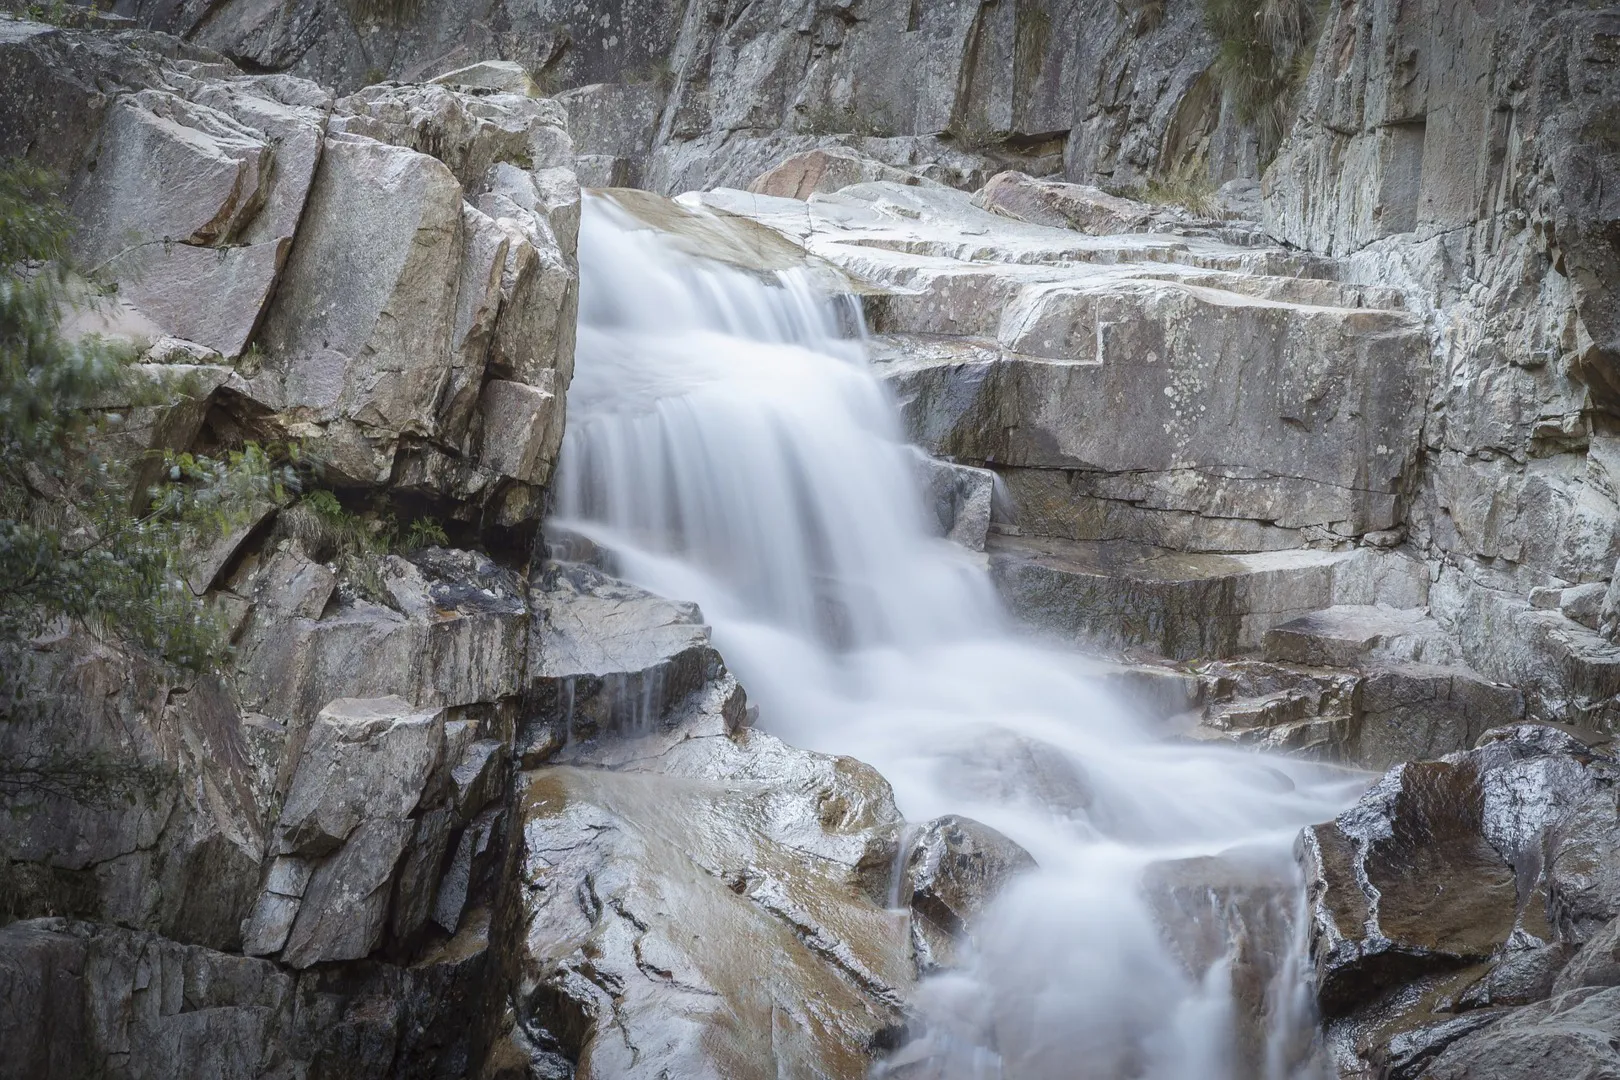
(78, 545)
(1266, 48)
(423, 533)
(57, 12)
(351, 542)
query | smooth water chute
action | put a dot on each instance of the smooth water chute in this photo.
(729, 442)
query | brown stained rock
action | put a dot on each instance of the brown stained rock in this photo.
(1406, 884)
(1448, 907)
(954, 871)
(1442, 888)
(826, 169)
(677, 938)
(1065, 206)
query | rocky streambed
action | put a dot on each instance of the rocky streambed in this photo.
(1324, 475)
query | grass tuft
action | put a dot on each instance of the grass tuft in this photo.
(1266, 49)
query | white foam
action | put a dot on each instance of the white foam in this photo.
(727, 440)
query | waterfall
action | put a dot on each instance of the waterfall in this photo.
(728, 442)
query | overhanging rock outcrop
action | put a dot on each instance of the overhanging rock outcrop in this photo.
(391, 276)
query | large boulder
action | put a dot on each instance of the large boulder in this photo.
(830, 169)
(1437, 903)
(730, 924)
(1064, 206)
(951, 876)
(1574, 1034)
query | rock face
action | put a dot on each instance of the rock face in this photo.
(1330, 460)
(685, 96)
(1445, 904)
(299, 866)
(1492, 228)
(365, 264)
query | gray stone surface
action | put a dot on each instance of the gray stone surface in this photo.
(1065, 206)
(361, 261)
(522, 428)
(1106, 92)
(1573, 1034)
(1455, 864)
(1120, 596)
(357, 341)
(959, 500)
(1597, 963)
(84, 1000)
(456, 635)
(730, 924)
(609, 657)
(362, 759)
(194, 199)
(952, 873)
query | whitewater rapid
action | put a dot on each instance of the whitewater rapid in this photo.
(729, 443)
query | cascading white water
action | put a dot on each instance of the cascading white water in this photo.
(728, 442)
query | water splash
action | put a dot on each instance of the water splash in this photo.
(728, 442)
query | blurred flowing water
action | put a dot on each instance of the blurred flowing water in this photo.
(729, 443)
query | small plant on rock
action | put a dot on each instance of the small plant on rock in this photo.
(1266, 48)
(82, 547)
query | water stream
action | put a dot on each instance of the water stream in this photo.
(728, 441)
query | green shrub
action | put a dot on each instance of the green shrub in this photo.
(79, 546)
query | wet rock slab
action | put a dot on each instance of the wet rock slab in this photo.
(710, 902)
(1445, 905)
